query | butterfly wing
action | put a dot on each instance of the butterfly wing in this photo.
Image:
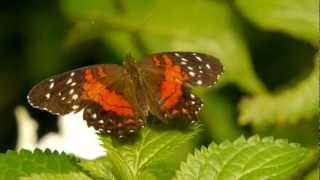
(167, 77)
(105, 92)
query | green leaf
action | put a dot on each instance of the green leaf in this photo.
(99, 168)
(297, 18)
(313, 175)
(290, 105)
(220, 118)
(55, 176)
(141, 27)
(156, 154)
(27, 164)
(253, 158)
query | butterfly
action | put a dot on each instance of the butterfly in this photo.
(117, 100)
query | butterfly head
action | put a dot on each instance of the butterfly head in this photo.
(128, 60)
(131, 66)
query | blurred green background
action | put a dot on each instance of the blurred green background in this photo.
(268, 48)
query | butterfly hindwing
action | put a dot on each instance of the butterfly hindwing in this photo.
(109, 122)
(188, 106)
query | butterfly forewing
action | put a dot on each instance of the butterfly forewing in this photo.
(59, 94)
(201, 69)
(105, 92)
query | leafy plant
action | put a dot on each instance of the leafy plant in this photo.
(254, 158)
(39, 165)
(157, 154)
(287, 106)
(297, 18)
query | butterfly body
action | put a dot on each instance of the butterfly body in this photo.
(117, 100)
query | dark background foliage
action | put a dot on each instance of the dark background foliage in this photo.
(262, 59)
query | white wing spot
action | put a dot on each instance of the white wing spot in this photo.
(184, 59)
(72, 74)
(71, 91)
(101, 121)
(75, 107)
(73, 84)
(28, 97)
(208, 66)
(51, 85)
(199, 82)
(177, 54)
(184, 63)
(192, 73)
(193, 102)
(200, 67)
(201, 72)
(51, 80)
(94, 115)
(190, 68)
(69, 81)
(59, 94)
(198, 58)
(131, 131)
(75, 96)
(63, 98)
(48, 95)
(218, 76)
(108, 131)
(192, 96)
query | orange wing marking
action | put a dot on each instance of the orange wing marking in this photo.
(156, 61)
(101, 73)
(171, 86)
(109, 100)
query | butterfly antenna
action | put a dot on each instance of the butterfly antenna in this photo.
(129, 56)
(129, 61)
